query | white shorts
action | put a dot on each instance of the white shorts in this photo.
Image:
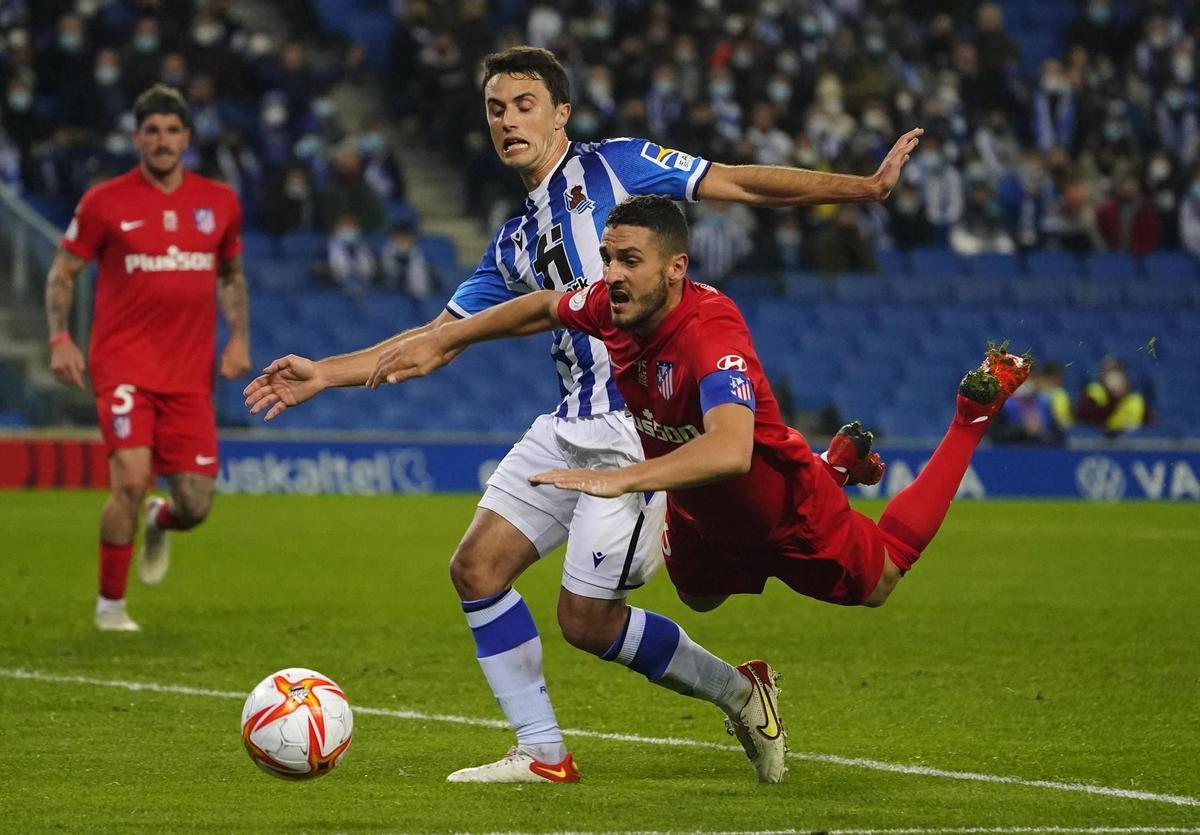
(613, 545)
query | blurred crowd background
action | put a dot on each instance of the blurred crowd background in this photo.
(1060, 164)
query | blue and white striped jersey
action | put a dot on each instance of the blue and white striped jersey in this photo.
(555, 245)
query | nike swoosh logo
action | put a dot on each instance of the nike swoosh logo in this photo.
(546, 771)
(130, 225)
(205, 460)
(770, 728)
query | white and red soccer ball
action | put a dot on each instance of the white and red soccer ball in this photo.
(297, 724)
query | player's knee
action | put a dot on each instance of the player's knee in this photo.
(471, 574)
(129, 493)
(888, 581)
(701, 604)
(191, 507)
(590, 625)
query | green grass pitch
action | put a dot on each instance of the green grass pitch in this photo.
(1045, 641)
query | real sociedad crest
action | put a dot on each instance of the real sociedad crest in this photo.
(206, 220)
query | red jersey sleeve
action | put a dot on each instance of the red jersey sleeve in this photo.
(726, 343)
(231, 242)
(582, 309)
(86, 233)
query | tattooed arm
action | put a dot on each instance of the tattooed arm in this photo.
(232, 296)
(66, 360)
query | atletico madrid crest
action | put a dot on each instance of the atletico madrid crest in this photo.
(666, 381)
(206, 220)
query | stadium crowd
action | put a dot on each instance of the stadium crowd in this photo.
(263, 119)
(1093, 144)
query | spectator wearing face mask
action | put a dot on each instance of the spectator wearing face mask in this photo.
(143, 56)
(66, 58)
(1177, 123)
(981, 228)
(1054, 117)
(347, 192)
(349, 263)
(910, 227)
(380, 167)
(97, 105)
(288, 202)
(1110, 403)
(403, 268)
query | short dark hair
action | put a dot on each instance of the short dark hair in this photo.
(530, 62)
(658, 214)
(160, 99)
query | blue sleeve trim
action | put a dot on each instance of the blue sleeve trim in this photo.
(721, 387)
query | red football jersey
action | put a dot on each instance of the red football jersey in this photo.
(699, 357)
(156, 293)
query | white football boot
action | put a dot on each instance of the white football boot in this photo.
(112, 616)
(154, 553)
(518, 767)
(758, 726)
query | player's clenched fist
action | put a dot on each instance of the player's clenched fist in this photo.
(288, 381)
(235, 359)
(66, 361)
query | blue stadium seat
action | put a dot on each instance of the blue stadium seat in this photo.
(805, 288)
(902, 319)
(440, 252)
(988, 291)
(860, 288)
(973, 319)
(1092, 294)
(1051, 265)
(856, 401)
(899, 422)
(1171, 265)
(925, 290)
(995, 265)
(1083, 323)
(1163, 293)
(1043, 292)
(1111, 266)
(892, 262)
(934, 262)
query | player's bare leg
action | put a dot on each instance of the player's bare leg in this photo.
(665, 654)
(493, 553)
(189, 505)
(129, 474)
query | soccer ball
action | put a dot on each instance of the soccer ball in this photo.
(297, 724)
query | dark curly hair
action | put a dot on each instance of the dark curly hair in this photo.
(658, 214)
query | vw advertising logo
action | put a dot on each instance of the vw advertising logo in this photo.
(1100, 478)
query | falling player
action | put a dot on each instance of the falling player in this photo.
(747, 498)
(169, 246)
(612, 544)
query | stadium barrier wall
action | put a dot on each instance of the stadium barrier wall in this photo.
(394, 467)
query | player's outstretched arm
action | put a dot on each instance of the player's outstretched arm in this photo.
(66, 360)
(772, 185)
(424, 354)
(723, 451)
(290, 380)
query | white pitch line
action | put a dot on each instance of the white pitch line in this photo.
(676, 742)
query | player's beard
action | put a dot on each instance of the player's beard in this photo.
(645, 308)
(162, 166)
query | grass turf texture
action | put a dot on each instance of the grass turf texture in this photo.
(1042, 640)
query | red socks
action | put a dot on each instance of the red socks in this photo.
(163, 519)
(114, 569)
(913, 516)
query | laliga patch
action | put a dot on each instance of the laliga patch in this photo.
(731, 361)
(72, 230)
(578, 300)
(667, 158)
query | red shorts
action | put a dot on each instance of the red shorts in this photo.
(830, 552)
(180, 429)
